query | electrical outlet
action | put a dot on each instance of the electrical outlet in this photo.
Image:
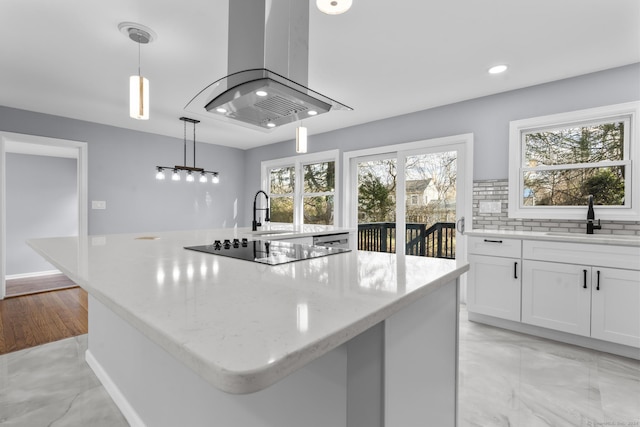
(98, 204)
(486, 207)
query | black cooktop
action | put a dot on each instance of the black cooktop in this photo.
(265, 251)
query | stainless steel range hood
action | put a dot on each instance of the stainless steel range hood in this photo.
(268, 62)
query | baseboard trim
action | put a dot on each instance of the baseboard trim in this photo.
(121, 402)
(34, 274)
(591, 343)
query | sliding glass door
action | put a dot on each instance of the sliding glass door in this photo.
(410, 198)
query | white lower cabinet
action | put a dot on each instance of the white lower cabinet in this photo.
(589, 290)
(615, 305)
(494, 277)
(557, 296)
(593, 299)
(494, 287)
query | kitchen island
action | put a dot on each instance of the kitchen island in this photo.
(186, 338)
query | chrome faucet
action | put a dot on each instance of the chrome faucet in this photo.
(591, 217)
(256, 223)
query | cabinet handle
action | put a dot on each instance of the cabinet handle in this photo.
(492, 241)
(515, 270)
(585, 278)
(598, 280)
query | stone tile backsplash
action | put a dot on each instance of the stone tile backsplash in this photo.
(495, 194)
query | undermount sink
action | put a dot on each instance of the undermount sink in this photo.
(593, 236)
(265, 232)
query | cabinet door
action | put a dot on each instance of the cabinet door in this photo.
(615, 305)
(557, 296)
(494, 286)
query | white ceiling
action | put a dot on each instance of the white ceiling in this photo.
(382, 58)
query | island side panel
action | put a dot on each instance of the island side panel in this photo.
(421, 361)
(153, 388)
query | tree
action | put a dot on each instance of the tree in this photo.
(374, 200)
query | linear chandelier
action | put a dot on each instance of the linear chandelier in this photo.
(190, 171)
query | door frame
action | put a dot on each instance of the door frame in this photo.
(40, 145)
(462, 143)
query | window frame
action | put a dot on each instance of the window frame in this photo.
(628, 112)
(298, 162)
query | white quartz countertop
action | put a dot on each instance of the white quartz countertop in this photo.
(600, 239)
(278, 231)
(241, 325)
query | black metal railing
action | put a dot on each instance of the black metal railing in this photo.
(439, 240)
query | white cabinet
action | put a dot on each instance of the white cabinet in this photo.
(494, 277)
(615, 305)
(557, 296)
(592, 299)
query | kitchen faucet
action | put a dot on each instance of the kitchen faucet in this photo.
(255, 224)
(591, 217)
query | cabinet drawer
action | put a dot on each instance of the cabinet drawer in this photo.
(495, 246)
(627, 257)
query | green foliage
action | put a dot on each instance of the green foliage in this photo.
(374, 200)
(606, 187)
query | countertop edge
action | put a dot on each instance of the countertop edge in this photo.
(599, 239)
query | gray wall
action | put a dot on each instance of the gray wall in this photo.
(487, 118)
(122, 173)
(42, 201)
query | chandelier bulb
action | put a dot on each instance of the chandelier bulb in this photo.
(160, 175)
(215, 179)
(175, 176)
(189, 177)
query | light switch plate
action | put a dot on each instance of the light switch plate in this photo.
(98, 204)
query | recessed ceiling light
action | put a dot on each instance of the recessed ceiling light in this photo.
(333, 7)
(221, 110)
(312, 112)
(271, 125)
(261, 93)
(497, 69)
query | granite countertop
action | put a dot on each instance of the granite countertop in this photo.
(241, 325)
(600, 239)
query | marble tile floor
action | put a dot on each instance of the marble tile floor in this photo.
(506, 379)
(512, 379)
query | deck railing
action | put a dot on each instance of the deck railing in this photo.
(436, 241)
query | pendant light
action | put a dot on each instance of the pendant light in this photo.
(191, 171)
(301, 139)
(138, 85)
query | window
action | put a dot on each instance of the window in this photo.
(557, 161)
(302, 189)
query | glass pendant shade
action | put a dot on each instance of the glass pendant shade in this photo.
(301, 139)
(139, 98)
(160, 174)
(203, 177)
(215, 179)
(175, 176)
(189, 177)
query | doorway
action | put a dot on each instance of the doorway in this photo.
(412, 198)
(40, 146)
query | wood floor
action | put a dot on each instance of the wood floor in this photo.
(31, 320)
(32, 285)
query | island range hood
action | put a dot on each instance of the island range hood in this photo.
(268, 60)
